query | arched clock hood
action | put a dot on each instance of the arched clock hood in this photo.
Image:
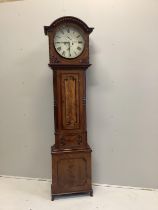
(68, 19)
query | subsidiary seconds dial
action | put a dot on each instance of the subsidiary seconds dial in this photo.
(69, 41)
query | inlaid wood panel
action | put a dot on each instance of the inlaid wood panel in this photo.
(69, 100)
(72, 171)
(71, 141)
(70, 95)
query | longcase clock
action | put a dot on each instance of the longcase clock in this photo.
(69, 59)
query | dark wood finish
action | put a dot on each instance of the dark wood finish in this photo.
(71, 171)
(54, 57)
(71, 155)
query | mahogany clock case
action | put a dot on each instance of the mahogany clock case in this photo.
(54, 57)
(71, 154)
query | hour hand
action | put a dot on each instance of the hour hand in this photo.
(62, 42)
(69, 37)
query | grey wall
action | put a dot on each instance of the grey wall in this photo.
(122, 86)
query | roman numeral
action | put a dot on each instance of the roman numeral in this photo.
(59, 48)
(63, 53)
(62, 31)
(80, 42)
(78, 36)
(78, 48)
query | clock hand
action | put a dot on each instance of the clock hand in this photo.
(62, 42)
(69, 37)
(69, 50)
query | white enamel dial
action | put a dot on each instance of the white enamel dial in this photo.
(69, 41)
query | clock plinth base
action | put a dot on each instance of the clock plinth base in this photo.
(71, 172)
(90, 192)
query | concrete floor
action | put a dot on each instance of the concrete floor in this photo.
(30, 194)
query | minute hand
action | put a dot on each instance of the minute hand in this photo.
(62, 42)
(69, 37)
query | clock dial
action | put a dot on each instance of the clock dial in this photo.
(69, 41)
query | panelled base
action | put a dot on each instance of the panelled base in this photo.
(71, 172)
